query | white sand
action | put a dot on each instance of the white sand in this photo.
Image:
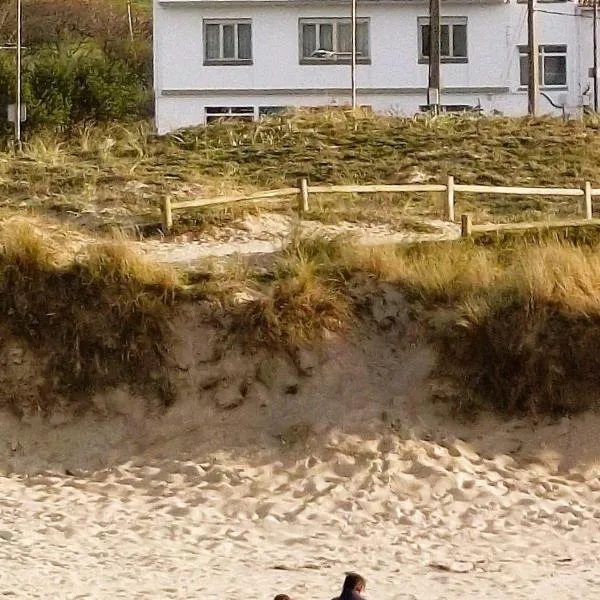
(420, 519)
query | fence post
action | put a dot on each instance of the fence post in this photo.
(167, 214)
(466, 225)
(303, 196)
(449, 208)
(588, 200)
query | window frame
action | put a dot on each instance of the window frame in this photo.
(544, 1)
(214, 114)
(265, 111)
(227, 61)
(450, 22)
(523, 51)
(337, 59)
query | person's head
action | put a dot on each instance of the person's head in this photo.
(282, 597)
(354, 583)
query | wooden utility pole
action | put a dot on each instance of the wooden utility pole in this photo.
(434, 90)
(353, 58)
(595, 76)
(533, 60)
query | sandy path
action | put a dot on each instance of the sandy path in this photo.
(226, 528)
(268, 233)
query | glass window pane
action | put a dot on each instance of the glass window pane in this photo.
(326, 37)
(425, 41)
(212, 44)
(362, 38)
(555, 70)
(244, 41)
(554, 49)
(229, 41)
(309, 40)
(344, 36)
(459, 40)
(445, 41)
(524, 67)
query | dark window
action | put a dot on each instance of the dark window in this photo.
(228, 113)
(552, 65)
(453, 39)
(228, 42)
(330, 40)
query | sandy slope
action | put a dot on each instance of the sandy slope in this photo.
(205, 503)
(200, 502)
(420, 519)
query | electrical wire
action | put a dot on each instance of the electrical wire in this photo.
(552, 12)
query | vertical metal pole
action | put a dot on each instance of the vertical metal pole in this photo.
(596, 99)
(130, 19)
(353, 60)
(533, 60)
(18, 99)
(434, 91)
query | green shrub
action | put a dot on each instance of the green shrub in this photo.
(66, 84)
(80, 63)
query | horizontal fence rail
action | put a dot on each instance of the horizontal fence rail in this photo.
(518, 191)
(449, 190)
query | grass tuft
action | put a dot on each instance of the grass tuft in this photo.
(96, 322)
(117, 262)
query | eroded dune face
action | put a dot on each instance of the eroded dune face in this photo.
(276, 473)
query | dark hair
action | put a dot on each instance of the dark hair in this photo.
(352, 581)
(282, 597)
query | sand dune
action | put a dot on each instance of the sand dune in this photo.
(357, 469)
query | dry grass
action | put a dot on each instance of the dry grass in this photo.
(517, 324)
(98, 321)
(116, 175)
(299, 301)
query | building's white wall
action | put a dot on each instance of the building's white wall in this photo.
(185, 86)
(586, 56)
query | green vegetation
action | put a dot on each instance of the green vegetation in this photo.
(80, 62)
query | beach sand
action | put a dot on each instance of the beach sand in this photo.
(348, 466)
(420, 519)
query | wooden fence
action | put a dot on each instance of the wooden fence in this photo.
(450, 189)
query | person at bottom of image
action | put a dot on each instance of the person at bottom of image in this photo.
(353, 588)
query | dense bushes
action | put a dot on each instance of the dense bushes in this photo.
(80, 63)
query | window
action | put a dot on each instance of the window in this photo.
(542, 1)
(453, 39)
(553, 66)
(228, 113)
(330, 40)
(451, 108)
(227, 42)
(269, 111)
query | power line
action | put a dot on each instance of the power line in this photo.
(553, 12)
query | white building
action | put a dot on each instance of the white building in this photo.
(250, 57)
